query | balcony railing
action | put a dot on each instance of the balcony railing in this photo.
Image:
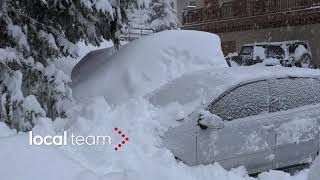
(245, 8)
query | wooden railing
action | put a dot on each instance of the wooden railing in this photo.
(245, 8)
(132, 33)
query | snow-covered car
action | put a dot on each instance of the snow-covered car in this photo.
(145, 64)
(261, 118)
(286, 53)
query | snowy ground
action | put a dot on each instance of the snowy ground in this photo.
(141, 158)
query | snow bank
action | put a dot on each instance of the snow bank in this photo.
(143, 157)
(315, 170)
(21, 161)
(147, 63)
(5, 131)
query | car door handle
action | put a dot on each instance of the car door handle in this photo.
(268, 127)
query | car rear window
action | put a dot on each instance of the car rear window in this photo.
(291, 93)
(316, 89)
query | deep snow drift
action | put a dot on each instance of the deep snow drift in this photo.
(145, 64)
(141, 158)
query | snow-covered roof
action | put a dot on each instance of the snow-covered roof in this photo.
(206, 85)
(147, 63)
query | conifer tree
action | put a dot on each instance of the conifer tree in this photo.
(32, 34)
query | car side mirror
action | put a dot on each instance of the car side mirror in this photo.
(206, 120)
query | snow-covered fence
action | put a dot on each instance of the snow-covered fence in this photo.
(132, 33)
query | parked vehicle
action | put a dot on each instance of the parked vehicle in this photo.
(286, 53)
(262, 118)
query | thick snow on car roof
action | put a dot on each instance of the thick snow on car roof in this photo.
(145, 64)
(206, 85)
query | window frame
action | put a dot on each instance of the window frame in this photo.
(208, 107)
(299, 77)
(234, 88)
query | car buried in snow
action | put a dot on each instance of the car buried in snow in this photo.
(286, 53)
(261, 118)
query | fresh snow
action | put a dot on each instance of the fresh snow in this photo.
(301, 50)
(200, 86)
(315, 170)
(145, 64)
(143, 157)
(101, 5)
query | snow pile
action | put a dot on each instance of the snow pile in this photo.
(314, 172)
(22, 161)
(202, 86)
(146, 64)
(5, 131)
(143, 157)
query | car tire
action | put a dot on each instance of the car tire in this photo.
(304, 61)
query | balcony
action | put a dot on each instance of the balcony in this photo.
(251, 14)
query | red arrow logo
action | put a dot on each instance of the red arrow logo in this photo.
(124, 139)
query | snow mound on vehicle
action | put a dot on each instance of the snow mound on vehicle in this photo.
(147, 63)
(300, 51)
(201, 87)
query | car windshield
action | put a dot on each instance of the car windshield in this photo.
(247, 50)
(195, 87)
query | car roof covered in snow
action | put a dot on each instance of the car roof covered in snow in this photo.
(203, 86)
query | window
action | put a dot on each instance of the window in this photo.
(192, 4)
(227, 10)
(316, 89)
(275, 52)
(247, 100)
(247, 50)
(291, 93)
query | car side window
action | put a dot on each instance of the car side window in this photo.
(275, 52)
(246, 100)
(290, 93)
(316, 89)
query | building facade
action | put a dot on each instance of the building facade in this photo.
(239, 22)
(184, 5)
